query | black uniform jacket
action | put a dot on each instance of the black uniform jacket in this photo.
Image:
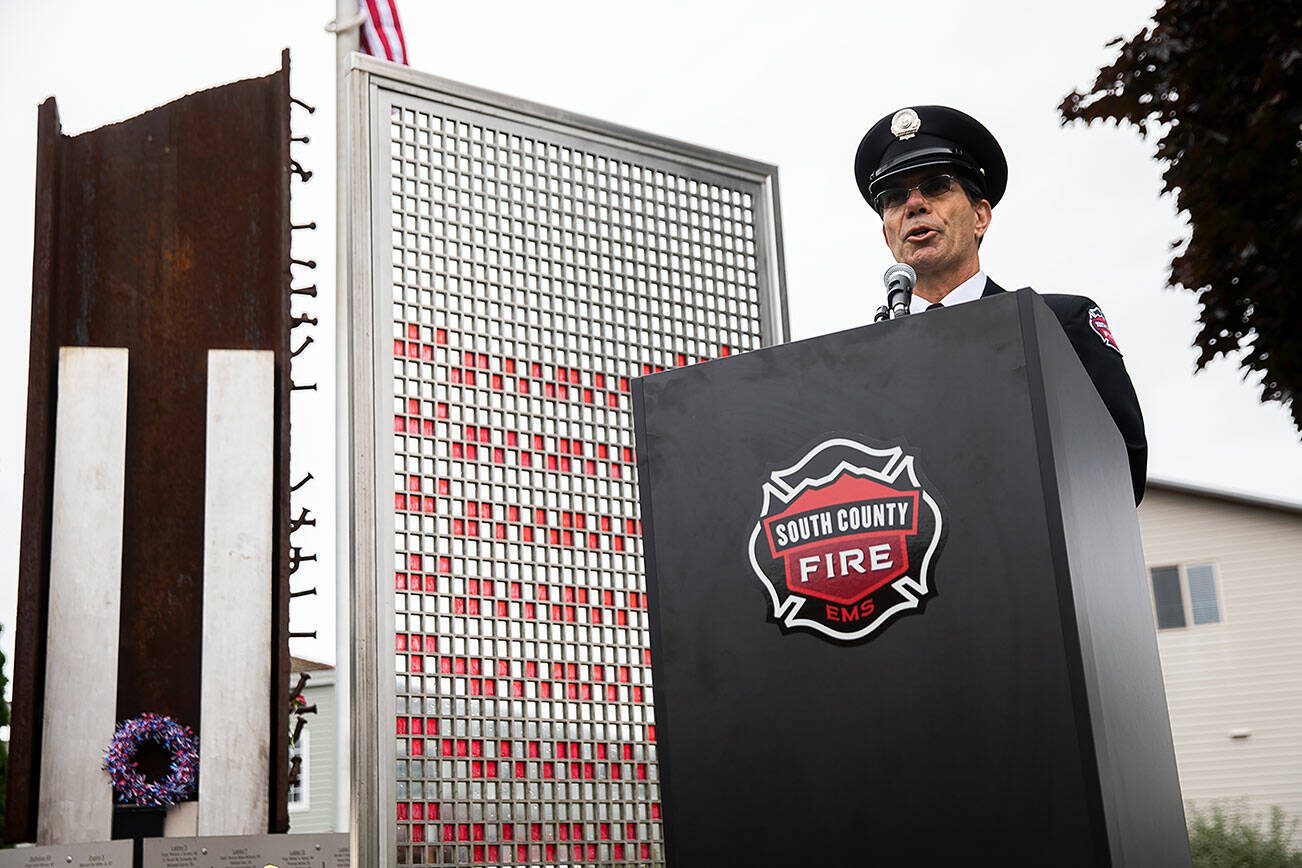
(1108, 371)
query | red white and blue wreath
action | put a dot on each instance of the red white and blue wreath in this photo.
(132, 787)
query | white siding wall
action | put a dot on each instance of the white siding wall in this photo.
(320, 815)
(1244, 673)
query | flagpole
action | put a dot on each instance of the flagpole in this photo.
(345, 28)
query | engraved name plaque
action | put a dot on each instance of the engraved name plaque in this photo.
(329, 850)
(104, 854)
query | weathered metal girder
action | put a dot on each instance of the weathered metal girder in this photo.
(167, 234)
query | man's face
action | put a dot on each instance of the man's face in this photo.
(938, 234)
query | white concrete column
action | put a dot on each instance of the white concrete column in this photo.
(235, 716)
(81, 653)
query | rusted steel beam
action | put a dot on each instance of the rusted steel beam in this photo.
(167, 234)
(38, 485)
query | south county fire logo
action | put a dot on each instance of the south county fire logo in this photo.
(1099, 323)
(846, 540)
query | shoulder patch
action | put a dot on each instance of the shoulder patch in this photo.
(1099, 323)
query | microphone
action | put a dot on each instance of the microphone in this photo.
(900, 280)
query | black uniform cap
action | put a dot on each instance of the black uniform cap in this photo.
(930, 135)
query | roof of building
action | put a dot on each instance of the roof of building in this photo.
(302, 664)
(1223, 494)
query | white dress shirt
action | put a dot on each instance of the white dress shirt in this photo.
(968, 290)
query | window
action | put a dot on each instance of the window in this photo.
(1184, 595)
(298, 800)
(1167, 597)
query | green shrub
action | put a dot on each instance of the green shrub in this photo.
(1229, 836)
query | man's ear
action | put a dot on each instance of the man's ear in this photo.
(884, 237)
(983, 217)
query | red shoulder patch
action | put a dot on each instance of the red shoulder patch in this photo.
(1099, 323)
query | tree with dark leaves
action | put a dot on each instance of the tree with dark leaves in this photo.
(1216, 83)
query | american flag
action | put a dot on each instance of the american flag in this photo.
(382, 31)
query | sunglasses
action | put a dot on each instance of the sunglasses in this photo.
(933, 188)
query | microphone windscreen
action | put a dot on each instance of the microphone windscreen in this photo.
(900, 273)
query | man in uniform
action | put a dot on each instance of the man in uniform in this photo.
(934, 174)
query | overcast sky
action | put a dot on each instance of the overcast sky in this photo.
(791, 84)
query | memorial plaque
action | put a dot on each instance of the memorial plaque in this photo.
(100, 854)
(327, 850)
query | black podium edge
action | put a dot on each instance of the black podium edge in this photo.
(1053, 511)
(661, 700)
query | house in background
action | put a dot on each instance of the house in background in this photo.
(312, 799)
(1226, 578)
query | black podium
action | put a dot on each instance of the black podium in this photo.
(899, 606)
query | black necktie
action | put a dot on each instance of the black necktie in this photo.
(934, 305)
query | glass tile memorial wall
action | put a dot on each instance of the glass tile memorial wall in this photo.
(531, 274)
